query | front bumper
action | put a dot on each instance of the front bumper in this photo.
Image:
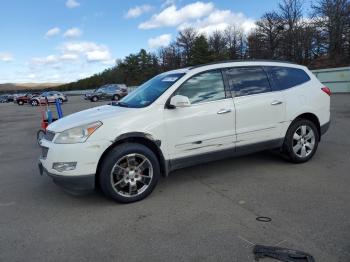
(75, 183)
(86, 155)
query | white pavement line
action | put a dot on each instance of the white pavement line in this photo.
(245, 240)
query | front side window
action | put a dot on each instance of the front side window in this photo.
(203, 87)
(286, 77)
(247, 80)
(149, 91)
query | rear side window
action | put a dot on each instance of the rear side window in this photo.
(286, 77)
(203, 87)
(247, 80)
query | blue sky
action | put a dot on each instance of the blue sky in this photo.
(64, 40)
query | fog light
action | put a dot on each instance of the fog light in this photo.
(64, 166)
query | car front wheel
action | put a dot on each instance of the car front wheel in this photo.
(129, 173)
(34, 103)
(94, 99)
(301, 141)
(20, 102)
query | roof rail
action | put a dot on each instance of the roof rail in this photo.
(241, 60)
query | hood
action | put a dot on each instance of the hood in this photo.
(88, 116)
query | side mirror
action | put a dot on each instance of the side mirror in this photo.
(180, 101)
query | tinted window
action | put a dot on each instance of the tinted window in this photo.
(204, 87)
(286, 77)
(248, 80)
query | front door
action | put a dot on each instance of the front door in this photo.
(205, 126)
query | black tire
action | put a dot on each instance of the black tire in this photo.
(289, 142)
(20, 102)
(39, 135)
(34, 102)
(94, 99)
(115, 97)
(106, 178)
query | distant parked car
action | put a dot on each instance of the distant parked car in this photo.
(21, 100)
(3, 99)
(10, 98)
(112, 92)
(48, 97)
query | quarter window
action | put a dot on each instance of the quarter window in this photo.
(286, 77)
(204, 87)
(247, 80)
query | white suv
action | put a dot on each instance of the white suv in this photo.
(185, 117)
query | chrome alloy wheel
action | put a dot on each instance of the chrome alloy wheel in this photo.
(303, 141)
(131, 175)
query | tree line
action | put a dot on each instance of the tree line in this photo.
(320, 40)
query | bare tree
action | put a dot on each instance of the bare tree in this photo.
(334, 16)
(185, 41)
(234, 38)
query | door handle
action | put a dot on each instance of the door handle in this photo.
(276, 102)
(224, 111)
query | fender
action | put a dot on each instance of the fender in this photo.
(151, 142)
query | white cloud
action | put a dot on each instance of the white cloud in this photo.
(167, 3)
(171, 16)
(69, 57)
(91, 51)
(31, 76)
(159, 41)
(137, 11)
(205, 17)
(47, 60)
(73, 32)
(72, 4)
(52, 32)
(6, 57)
(77, 52)
(219, 20)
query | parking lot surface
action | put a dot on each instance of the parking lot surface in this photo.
(202, 213)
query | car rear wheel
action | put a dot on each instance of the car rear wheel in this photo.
(34, 103)
(301, 141)
(129, 173)
(94, 99)
(20, 103)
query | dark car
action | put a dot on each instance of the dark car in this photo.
(49, 97)
(111, 92)
(3, 99)
(21, 100)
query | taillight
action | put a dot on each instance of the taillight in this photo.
(326, 90)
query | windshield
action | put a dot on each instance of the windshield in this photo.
(149, 91)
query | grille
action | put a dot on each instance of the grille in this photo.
(49, 136)
(44, 151)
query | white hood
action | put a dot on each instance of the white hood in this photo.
(88, 116)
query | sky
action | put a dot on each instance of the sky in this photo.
(66, 40)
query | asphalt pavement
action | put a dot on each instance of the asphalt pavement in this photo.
(201, 213)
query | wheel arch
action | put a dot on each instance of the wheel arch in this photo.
(313, 118)
(140, 138)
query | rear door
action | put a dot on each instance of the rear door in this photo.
(260, 112)
(205, 126)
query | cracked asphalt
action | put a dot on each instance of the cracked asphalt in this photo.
(201, 213)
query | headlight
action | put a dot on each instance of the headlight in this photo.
(77, 134)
